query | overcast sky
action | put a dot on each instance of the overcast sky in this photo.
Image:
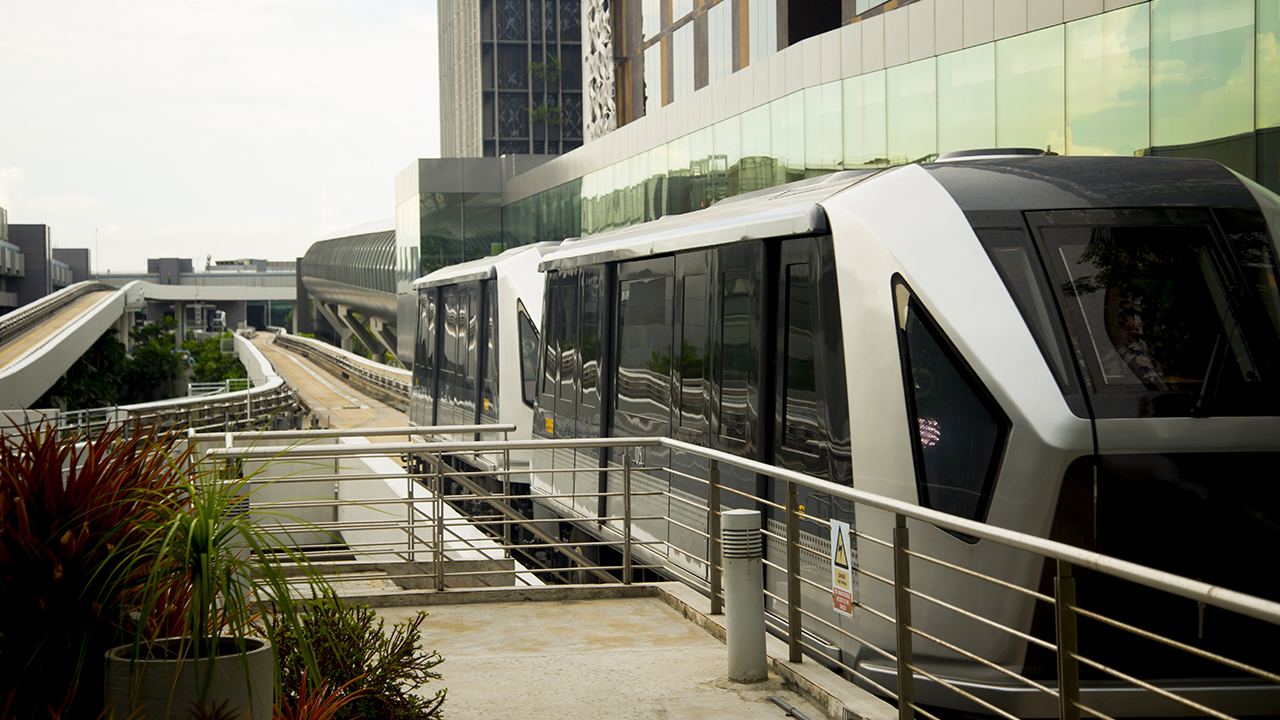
(231, 128)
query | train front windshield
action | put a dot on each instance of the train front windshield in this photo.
(1173, 312)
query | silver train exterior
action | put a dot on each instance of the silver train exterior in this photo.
(476, 344)
(1085, 349)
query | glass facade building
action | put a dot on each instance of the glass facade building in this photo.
(1187, 78)
(511, 77)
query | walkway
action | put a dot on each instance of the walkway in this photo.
(637, 653)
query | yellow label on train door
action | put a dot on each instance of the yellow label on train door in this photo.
(841, 568)
(551, 425)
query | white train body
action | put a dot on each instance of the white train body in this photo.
(908, 340)
(1086, 349)
(475, 344)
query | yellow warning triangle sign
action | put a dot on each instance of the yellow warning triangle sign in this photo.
(842, 557)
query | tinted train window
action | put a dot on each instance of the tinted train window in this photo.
(566, 312)
(528, 355)
(1017, 264)
(693, 352)
(644, 347)
(490, 390)
(957, 430)
(551, 362)
(801, 430)
(1158, 303)
(591, 349)
(735, 353)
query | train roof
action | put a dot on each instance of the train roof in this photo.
(783, 211)
(988, 181)
(483, 269)
(1078, 183)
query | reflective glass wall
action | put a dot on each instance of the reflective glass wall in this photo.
(1188, 78)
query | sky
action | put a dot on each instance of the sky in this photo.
(224, 128)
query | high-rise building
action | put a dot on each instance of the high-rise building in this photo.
(510, 77)
(692, 101)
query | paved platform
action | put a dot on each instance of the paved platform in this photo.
(644, 652)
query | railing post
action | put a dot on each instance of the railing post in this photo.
(1064, 595)
(902, 607)
(506, 491)
(439, 523)
(794, 629)
(626, 517)
(412, 520)
(714, 560)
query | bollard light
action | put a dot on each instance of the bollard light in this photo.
(744, 595)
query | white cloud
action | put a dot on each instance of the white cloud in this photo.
(211, 127)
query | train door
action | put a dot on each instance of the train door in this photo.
(422, 403)
(737, 362)
(570, 402)
(487, 383)
(690, 397)
(460, 353)
(810, 428)
(642, 405)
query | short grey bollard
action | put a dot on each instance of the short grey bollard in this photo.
(744, 595)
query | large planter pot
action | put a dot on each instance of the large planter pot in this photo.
(167, 685)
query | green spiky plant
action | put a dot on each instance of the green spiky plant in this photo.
(211, 570)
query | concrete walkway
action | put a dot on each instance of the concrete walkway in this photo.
(630, 653)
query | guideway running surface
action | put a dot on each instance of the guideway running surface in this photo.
(330, 399)
(41, 333)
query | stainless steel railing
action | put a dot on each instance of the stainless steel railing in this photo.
(641, 540)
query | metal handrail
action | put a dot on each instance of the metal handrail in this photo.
(620, 528)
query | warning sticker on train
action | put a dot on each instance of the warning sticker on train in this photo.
(841, 568)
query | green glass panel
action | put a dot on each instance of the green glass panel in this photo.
(1202, 70)
(823, 129)
(441, 227)
(787, 124)
(865, 134)
(1268, 63)
(701, 176)
(1031, 90)
(1109, 83)
(756, 170)
(678, 191)
(656, 185)
(912, 90)
(967, 99)
(482, 224)
(728, 141)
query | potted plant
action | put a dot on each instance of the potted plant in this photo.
(210, 570)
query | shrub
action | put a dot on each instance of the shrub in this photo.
(353, 650)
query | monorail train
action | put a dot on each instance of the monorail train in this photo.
(1085, 349)
(464, 372)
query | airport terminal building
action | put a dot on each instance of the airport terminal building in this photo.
(696, 100)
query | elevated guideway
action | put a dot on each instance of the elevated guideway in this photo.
(40, 342)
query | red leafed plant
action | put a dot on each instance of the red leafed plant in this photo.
(69, 512)
(316, 703)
